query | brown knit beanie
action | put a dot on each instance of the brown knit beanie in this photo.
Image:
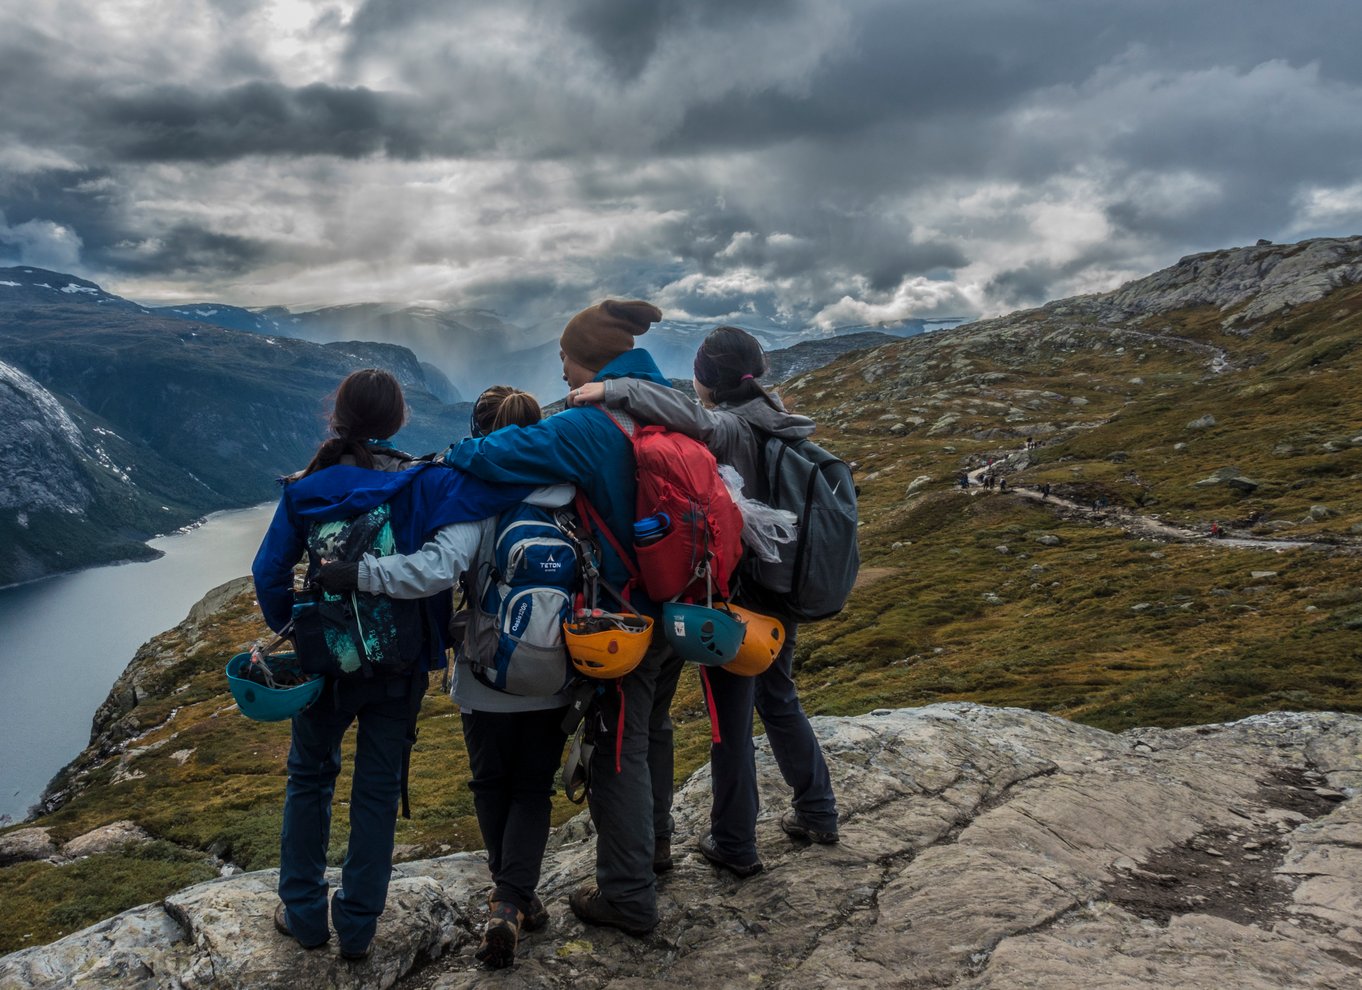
(599, 334)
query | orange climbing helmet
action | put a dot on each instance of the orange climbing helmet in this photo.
(605, 645)
(762, 642)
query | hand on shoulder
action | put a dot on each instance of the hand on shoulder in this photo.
(585, 395)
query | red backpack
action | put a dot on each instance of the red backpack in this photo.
(678, 478)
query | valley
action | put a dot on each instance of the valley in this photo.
(1220, 390)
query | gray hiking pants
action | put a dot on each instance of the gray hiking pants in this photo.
(630, 793)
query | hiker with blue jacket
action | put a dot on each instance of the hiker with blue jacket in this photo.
(514, 740)
(630, 791)
(734, 416)
(353, 472)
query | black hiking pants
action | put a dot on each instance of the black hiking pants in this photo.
(513, 758)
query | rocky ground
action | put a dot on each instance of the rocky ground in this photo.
(981, 848)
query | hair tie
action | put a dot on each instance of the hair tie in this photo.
(746, 378)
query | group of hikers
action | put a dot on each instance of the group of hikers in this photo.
(447, 522)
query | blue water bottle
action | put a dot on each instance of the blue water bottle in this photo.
(649, 531)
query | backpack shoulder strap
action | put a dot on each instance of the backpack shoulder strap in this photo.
(622, 419)
(588, 514)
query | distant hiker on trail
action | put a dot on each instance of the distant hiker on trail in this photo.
(630, 792)
(1045, 490)
(514, 739)
(734, 418)
(353, 476)
(964, 479)
(1002, 484)
(1216, 531)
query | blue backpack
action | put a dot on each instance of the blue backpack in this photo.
(521, 586)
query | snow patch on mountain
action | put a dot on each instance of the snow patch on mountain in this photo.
(40, 446)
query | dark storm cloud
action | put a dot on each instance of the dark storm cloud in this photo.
(626, 33)
(186, 250)
(866, 159)
(260, 118)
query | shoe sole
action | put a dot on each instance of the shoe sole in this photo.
(810, 835)
(498, 948)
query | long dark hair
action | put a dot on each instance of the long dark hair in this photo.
(368, 406)
(728, 363)
(501, 406)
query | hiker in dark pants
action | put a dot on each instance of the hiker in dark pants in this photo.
(735, 416)
(349, 475)
(514, 742)
(630, 791)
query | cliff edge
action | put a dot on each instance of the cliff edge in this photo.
(981, 848)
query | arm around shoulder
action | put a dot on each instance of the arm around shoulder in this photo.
(672, 408)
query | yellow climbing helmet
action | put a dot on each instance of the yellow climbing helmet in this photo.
(606, 645)
(761, 643)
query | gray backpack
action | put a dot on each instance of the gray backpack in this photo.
(815, 573)
(521, 588)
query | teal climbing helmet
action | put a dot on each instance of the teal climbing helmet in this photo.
(271, 688)
(709, 636)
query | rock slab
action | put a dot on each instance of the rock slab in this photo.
(980, 848)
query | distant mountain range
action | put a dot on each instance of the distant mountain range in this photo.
(120, 421)
(473, 348)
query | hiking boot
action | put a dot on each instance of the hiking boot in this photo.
(793, 824)
(281, 926)
(351, 955)
(536, 917)
(662, 855)
(501, 935)
(710, 850)
(593, 909)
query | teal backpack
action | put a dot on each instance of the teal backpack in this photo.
(353, 633)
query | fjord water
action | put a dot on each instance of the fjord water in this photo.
(65, 640)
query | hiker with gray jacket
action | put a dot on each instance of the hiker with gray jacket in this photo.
(733, 419)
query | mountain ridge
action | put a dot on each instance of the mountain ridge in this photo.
(1070, 606)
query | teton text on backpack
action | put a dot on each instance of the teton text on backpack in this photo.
(521, 590)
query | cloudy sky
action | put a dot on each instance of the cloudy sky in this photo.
(810, 161)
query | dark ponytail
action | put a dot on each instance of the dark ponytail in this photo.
(728, 363)
(368, 406)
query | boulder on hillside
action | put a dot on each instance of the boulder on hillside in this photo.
(25, 844)
(1202, 422)
(1228, 477)
(980, 848)
(105, 839)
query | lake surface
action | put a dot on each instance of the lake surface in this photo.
(65, 640)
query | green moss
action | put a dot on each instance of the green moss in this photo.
(44, 902)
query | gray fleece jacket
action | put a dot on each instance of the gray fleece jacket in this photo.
(437, 566)
(733, 433)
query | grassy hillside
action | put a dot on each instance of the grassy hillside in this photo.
(964, 595)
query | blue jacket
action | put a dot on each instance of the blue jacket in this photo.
(424, 498)
(581, 446)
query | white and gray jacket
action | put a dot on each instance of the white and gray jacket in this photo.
(437, 566)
